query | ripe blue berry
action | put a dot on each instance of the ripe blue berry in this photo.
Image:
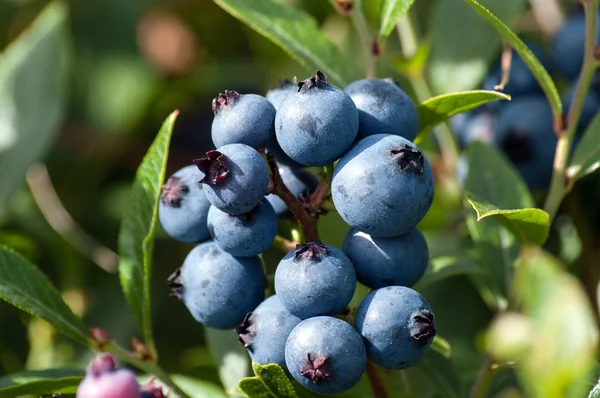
(379, 262)
(103, 379)
(525, 132)
(265, 330)
(315, 279)
(299, 181)
(568, 45)
(325, 355)
(316, 123)
(397, 326)
(383, 108)
(383, 186)
(277, 95)
(217, 288)
(236, 177)
(244, 235)
(183, 206)
(242, 119)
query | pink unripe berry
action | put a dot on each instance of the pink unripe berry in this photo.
(103, 380)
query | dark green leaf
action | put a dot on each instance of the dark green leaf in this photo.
(566, 333)
(231, 358)
(586, 159)
(25, 287)
(438, 109)
(295, 32)
(198, 388)
(441, 346)
(528, 225)
(391, 11)
(33, 71)
(538, 70)
(270, 382)
(37, 382)
(464, 44)
(441, 268)
(136, 238)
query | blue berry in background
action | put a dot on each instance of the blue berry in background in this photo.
(183, 206)
(277, 95)
(383, 186)
(521, 81)
(265, 330)
(397, 326)
(242, 119)
(325, 355)
(244, 235)
(236, 177)
(274, 148)
(478, 127)
(568, 45)
(525, 133)
(103, 379)
(383, 108)
(316, 123)
(299, 181)
(315, 279)
(379, 262)
(589, 109)
(217, 288)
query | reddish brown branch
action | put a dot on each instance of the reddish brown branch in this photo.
(376, 381)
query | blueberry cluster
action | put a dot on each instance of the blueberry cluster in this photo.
(523, 128)
(382, 186)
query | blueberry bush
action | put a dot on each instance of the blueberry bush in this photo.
(411, 212)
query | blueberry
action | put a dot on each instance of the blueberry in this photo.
(315, 279)
(242, 119)
(265, 331)
(316, 123)
(244, 235)
(236, 177)
(217, 288)
(383, 108)
(383, 186)
(478, 127)
(103, 379)
(590, 106)
(568, 45)
(300, 182)
(397, 326)
(325, 355)
(379, 262)
(183, 207)
(277, 95)
(281, 157)
(525, 133)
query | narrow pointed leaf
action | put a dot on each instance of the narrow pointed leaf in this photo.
(530, 226)
(296, 32)
(586, 159)
(270, 382)
(538, 70)
(24, 286)
(439, 109)
(136, 238)
(41, 382)
(391, 11)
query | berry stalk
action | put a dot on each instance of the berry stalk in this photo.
(561, 185)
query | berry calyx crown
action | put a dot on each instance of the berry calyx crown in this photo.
(409, 159)
(310, 251)
(214, 167)
(423, 327)
(318, 81)
(173, 192)
(221, 101)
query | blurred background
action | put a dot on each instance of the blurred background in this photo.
(115, 71)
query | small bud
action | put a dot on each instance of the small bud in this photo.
(100, 336)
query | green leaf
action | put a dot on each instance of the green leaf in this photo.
(441, 346)
(33, 72)
(37, 382)
(233, 362)
(25, 287)
(566, 333)
(197, 388)
(296, 32)
(270, 382)
(528, 225)
(538, 70)
(441, 268)
(136, 237)
(391, 11)
(586, 158)
(455, 66)
(438, 109)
